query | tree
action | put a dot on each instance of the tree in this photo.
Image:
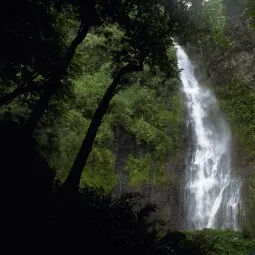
(93, 14)
(147, 36)
(88, 18)
(28, 26)
(29, 46)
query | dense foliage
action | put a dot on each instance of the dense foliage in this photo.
(221, 242)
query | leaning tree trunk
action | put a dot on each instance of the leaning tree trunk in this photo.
(53, 84)
(73, 179)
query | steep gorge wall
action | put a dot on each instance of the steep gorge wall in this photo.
(167, 195)
(237, 60)
(222, 63)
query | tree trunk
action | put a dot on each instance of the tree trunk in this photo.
(53, 84)
(73, 179)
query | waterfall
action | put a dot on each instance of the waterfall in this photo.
(211, 192)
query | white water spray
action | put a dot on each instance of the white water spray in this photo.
(212, 194)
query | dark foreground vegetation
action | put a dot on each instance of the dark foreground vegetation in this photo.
(37, 217)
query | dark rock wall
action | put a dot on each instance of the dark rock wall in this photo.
(168, 198)
(238, 60)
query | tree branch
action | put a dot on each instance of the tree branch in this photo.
(25, 87)
(52, 85)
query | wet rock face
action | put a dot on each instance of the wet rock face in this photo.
(235, 7)
(124, 145)
(167, 198)
(238, 63)
(237, 60)
(168, 204)
(221, 64)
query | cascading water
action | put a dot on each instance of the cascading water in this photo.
(211, 193)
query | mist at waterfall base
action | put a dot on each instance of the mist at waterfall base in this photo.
(211, 193)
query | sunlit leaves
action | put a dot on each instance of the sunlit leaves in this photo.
(100, 170)
(138, 170)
